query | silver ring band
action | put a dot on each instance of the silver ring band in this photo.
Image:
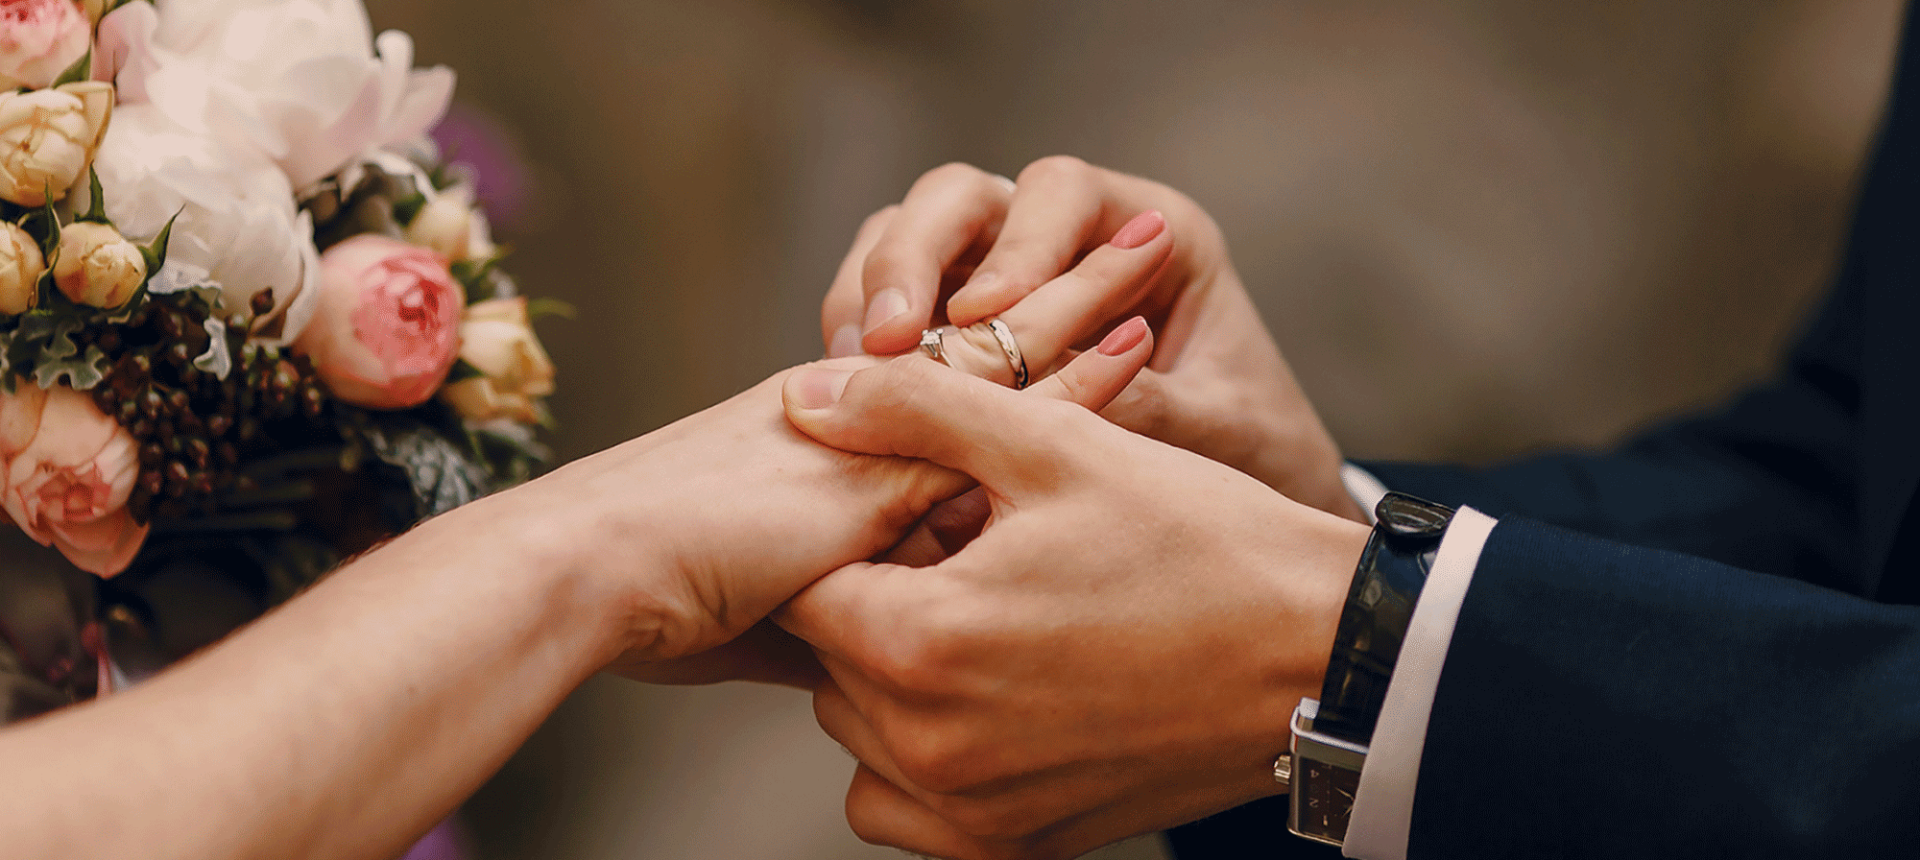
(1011, 347)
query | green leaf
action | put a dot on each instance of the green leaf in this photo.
(82, 372)
(462, 371)
(472, 274)
(81, 70)
(156, 253)
(551, 307)
(408, 208)
(97, 206)
(60, 345)
(46, 215)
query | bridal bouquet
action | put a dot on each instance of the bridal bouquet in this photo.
(250, 320)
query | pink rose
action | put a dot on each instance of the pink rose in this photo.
(69, 472)
(39, 39)
(386, 328)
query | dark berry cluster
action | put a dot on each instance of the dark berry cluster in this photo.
(193, 427)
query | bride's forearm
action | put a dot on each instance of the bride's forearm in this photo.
(339, 726)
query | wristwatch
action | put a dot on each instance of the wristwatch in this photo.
(1330, 735)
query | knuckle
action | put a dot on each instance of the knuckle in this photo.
(1142, 407)
(936, 760)
(884, 267)
(1075, 388)
(866, 825)
(1057, 168)
(880, 219)
(951, 173)
(995, 820)
(1014, 850)
(926, 657)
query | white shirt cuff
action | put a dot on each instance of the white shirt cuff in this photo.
(1366, 490)
(1383, 807)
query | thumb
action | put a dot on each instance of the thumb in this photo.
(913, 407)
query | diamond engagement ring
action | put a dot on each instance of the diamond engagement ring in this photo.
(933, 342)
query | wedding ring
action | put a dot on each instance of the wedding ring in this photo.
(933, 342)
(1004, 336)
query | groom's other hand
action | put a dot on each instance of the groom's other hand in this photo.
(1117, 652)
(965, 245)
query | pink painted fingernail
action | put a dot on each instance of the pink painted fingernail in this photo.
(1141, 230)
(887, 305)
(819, 387)
(1125, 338)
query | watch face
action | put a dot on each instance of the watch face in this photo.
(1324, 800)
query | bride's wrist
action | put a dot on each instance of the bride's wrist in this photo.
(583, 576)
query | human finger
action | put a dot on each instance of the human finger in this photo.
(943, 531)
(881, 813)
(1067, 309)
(1103, 373)
(915, 408)
(948, 211)
(1062, 207)
(841, 311)
(853, 730)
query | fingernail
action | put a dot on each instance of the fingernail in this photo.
(885, 306)
(981, 281)
(1141, 230)
(1124, 338)
(819, 387)
(974, 291)
(846, 341)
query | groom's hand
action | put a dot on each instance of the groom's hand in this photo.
(1117, 652)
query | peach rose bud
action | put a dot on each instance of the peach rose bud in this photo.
(69, 472)
(445, 226)
(39, 39)
(21, 265)
(498, 340)
(95, 265)
(386, 325)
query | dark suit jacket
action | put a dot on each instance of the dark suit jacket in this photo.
(1704, 644)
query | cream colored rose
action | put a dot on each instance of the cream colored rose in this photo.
(445, 225)
(47, 137)
(21, 265)
(95, 265)
(497, 339)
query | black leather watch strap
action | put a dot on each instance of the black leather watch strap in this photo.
(1379, 608)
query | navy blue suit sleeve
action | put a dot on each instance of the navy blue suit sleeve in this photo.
(1601, 700)
(1767, 483)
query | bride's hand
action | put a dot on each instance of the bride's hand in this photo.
(965, 245)
(710, 523)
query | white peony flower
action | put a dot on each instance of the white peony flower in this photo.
(238, 227)
(297, 80)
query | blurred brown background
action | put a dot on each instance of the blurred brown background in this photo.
(1476, 226)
